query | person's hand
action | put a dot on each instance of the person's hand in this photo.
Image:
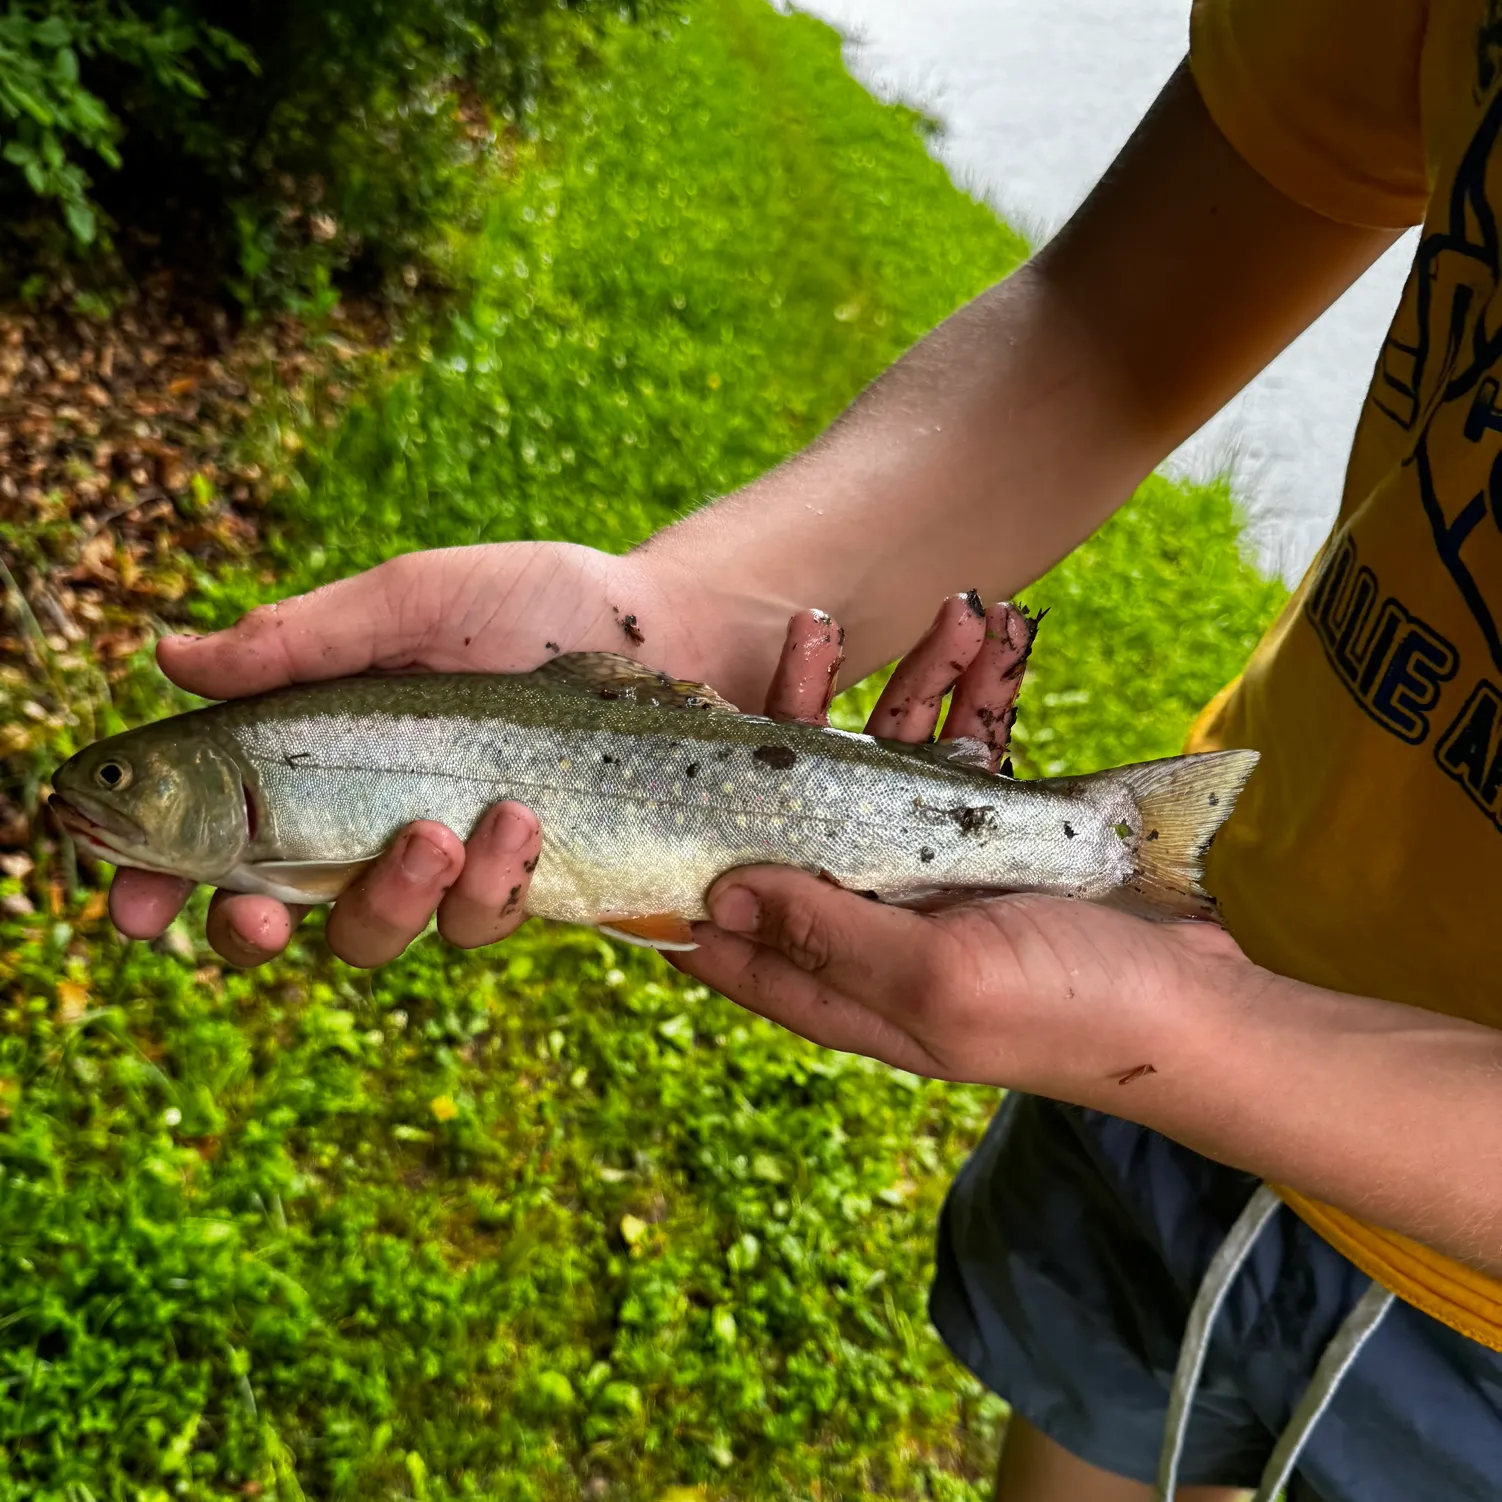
(1063, 998)
(503, 607)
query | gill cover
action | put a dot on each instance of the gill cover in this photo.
(183, 797)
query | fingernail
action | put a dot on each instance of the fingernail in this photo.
(512, 832)
(183, 637)
(422, 860)
(736, 910)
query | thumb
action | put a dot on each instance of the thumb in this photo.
(847, 942)
(818, 960)
(342, 628)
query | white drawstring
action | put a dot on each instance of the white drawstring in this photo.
(1214, 1286)
(1355, 1330)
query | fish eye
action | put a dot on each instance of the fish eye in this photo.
(113, 775)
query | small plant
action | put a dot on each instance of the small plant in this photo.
(54, 126)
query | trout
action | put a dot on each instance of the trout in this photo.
(647, 788)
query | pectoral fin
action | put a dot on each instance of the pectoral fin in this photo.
(305, 881)
(650, 930)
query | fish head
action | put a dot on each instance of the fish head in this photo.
(162, 798)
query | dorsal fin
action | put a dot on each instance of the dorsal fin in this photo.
(607, 675)
(963, 751)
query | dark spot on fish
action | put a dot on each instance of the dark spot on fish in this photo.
(925, 855)
(1006, 768)
(1136, 1074)
(972, 820)
(691, 770)
(977, 606)
(1214, 799)
(293, 757)
(607, 758)
(552, 646)
(724, 753)
(1068, 831)
(530, 866)
(1152, 834)
(780, 758)
(513, 897)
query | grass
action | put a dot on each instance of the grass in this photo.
(546, 1222)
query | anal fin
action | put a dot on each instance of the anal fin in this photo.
(650, 930)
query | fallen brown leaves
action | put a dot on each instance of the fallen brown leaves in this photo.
(133, 456)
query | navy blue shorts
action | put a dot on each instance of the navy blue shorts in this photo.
(1070, 1249)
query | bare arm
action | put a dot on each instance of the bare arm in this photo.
(1011, 432)
(1384, 1110)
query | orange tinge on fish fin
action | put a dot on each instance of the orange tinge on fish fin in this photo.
(655, 930)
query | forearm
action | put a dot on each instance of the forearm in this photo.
(1389, 1112)
(1012, 431)
(989, 451)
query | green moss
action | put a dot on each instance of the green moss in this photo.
(509, 1224)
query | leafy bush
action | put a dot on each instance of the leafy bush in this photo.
(272, 141)
(51, 117)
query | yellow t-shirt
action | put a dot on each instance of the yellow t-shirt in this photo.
(1366, 854)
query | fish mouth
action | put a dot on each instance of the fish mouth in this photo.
(96, 828)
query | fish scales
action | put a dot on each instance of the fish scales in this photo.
(646, 790)
(661, 799)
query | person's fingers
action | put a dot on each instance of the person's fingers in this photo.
(489, 900)
(909, 705)
(984, 705)
(247, 929)
(392, 902)
(849, 943)
(143, 903)
(807, 674)
(765, 981)
(343, 628)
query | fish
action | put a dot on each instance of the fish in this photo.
(647, 787)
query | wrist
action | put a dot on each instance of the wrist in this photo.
(1190, 1031)
(729, 625)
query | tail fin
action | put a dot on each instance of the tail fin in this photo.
(1183, 802)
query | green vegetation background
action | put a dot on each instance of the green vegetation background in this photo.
(546, 1221)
